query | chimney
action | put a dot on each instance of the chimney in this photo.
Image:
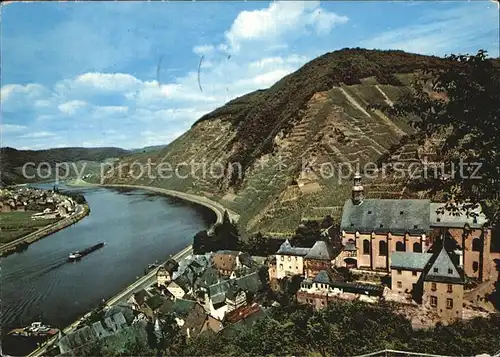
(357, 190)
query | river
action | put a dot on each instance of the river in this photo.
(138, 227)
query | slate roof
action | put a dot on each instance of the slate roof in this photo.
(287, 249)
(323, 278)
(442, 269)
(209, 277)
(249, 283)
(410, 260)
(358, 288)
(182, 307)
(140, 296)
(171, 265)
(447, 218)
(321, 251)
(126, 311)
(219, 289)
(154, 302)
(328, 277)
(385, 215)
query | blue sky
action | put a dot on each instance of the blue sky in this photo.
(125, 73)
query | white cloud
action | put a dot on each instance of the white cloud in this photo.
(16, 96)
(72, 107)
(107, 81)
(281, 18)
(106, 111)
(203, 49)
(11, 128)
(9, 90)
(38, 135)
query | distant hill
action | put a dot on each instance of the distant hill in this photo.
(12, 160)
(148, 148)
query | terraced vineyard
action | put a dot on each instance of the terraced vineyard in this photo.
(296, 165)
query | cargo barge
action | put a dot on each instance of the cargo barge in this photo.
(79, 254)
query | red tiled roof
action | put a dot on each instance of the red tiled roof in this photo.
(241, 313)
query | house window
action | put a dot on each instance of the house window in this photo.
(414, 273)
(296, 258)
(449, 303)
(400, 272)
(433, 287)
(400, 247)
(282, 258)
(475, 266)
(476, 245)
(417, 247)
(281, 266)
(382, 248)
(434, 301)
(400, 285)
(450, 288)
(289, 259)
(366, 246)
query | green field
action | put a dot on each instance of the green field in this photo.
(17, 224)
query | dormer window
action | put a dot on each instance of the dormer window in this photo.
(439, 219)
(450, 271)
(381, 225)
(436, 270)
(369, 212)
(415, 226)
(400, 213)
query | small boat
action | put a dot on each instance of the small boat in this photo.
(79, 254)
(35, 329)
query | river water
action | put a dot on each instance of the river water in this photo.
(138, 227)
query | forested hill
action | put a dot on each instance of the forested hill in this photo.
(12, 160)
(281, 137)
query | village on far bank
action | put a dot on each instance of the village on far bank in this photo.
(432, 265)
(25, 209)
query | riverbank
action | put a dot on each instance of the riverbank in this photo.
(82, 210)
(216, 207)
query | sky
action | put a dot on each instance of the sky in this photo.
(125, 74)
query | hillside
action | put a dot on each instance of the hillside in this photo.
(286, 137)
(12, 160)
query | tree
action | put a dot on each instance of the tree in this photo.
(201, 242)
(462, 113)
(226, 236)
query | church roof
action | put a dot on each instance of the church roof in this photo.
(442, 217)
(287, 249)
(386, 215)
(410, 260)
(321, 251)
(442, 269)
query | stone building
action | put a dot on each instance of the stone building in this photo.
(442, 283)
(472, 234)
(165, 272)
(226, 261)
(379, 227)
(406, 269)
(329, 286)
(320, 257)
(290, 260)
